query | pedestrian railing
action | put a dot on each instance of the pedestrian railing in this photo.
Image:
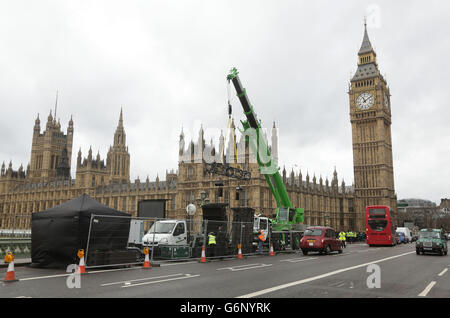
(117, 240)
(17, 237)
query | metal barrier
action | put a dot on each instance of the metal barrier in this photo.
(17, 238)
(119, 241)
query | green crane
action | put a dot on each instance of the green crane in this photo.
(286, 215)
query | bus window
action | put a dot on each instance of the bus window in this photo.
(377, 213)
(377, 225)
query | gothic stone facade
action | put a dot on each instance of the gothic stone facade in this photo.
(324, 202)
(46, 183)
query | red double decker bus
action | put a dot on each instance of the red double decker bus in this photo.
(380, 228)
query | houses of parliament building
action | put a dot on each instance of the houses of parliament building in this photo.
(47, 182)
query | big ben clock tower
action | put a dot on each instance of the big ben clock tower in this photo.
(370, 116)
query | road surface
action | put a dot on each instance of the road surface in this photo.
(351, 274)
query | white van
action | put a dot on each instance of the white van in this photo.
(167, 232)
(406, 232)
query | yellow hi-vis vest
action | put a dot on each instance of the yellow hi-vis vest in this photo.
(342, 236)
(212, 240)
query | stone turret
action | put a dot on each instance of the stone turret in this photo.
(181, 145)
(47, 148)
(91, 172)
(9, 178)
(118, 158)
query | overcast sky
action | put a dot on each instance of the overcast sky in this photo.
(165, 62)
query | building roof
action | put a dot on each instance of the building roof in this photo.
(366, 71)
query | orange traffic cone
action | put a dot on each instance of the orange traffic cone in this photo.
(203, 258)
(81, 266)
(239, 252)
(147, 259)
(271, 253)
(10, 275)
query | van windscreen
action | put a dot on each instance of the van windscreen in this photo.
(162, 227)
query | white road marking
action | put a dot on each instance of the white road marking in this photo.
(337, 284)
(173, 264)
(253, 267)
(140, 279)
(99, 271)
(443, 272)
(244, 267)
(427, 289)
(296, 260)
(307, 280)
(219, 269)
(161, 281)
(112, 270)
(64, 275)
(43, 277)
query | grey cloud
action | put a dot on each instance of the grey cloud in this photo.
(165, 63)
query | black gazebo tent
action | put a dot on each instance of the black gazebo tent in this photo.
(59, 232)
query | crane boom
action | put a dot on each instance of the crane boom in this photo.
(266, 162)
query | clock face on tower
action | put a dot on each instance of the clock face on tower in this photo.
(364, 101)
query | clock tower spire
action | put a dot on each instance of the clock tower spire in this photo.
(370, 117)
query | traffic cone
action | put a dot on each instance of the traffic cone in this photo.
(203, 258)
(10, 275)
(239, 252)
(147, 259)
(81, 266)
(271, 253)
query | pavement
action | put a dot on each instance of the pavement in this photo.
(359, 272)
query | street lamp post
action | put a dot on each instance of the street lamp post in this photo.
(190, 210)
(201, 201)
(327, 219)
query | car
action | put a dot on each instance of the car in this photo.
(431, 241)
(320, 239)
